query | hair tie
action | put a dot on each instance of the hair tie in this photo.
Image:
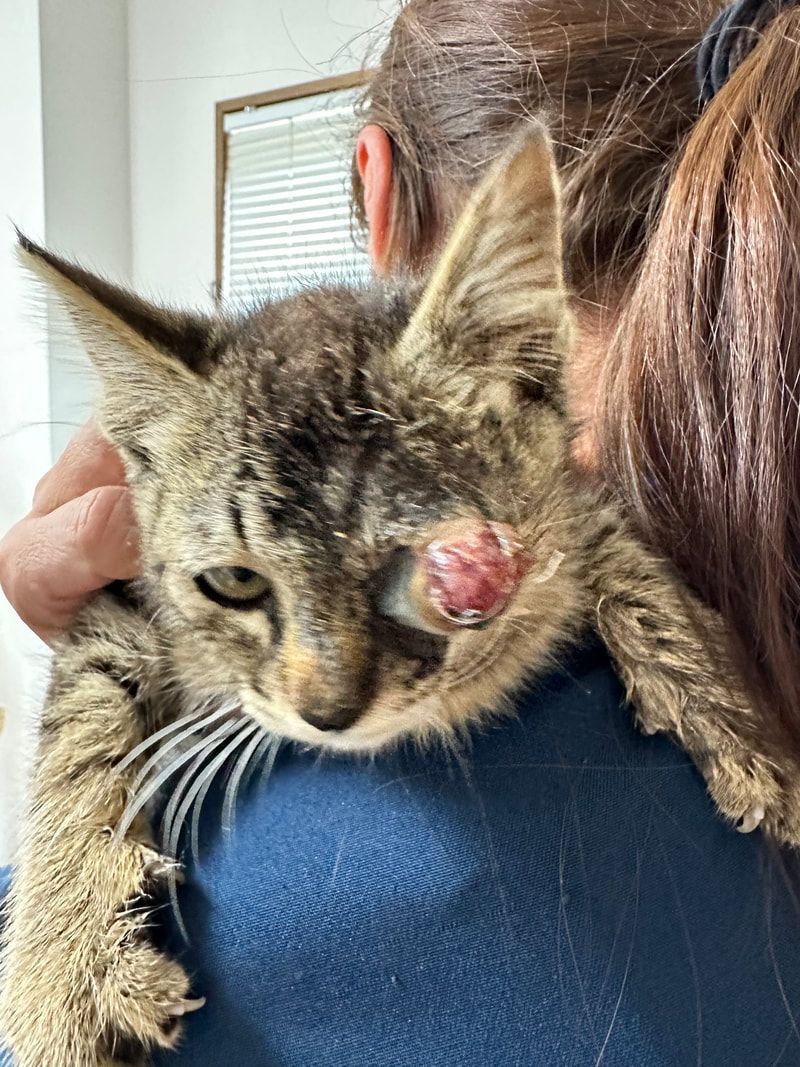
(729, 39)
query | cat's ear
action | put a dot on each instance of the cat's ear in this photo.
(495, 308)
(148, 358)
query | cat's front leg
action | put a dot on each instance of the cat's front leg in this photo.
(676, 664)
(82, 984)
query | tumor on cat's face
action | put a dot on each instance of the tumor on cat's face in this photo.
(349, 499)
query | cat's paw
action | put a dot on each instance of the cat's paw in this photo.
(751, 820)
(755, 793)
(85, 985)
(142, 1002)
(751, 782)
(143, 995)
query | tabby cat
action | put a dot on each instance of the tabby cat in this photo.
(358, 525)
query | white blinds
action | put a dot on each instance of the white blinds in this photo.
(287, 203)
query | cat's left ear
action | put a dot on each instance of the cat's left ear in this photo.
(495, 310)
(149, 359)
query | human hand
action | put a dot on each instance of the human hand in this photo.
(79, 535)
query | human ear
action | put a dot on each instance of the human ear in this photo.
(374, 162)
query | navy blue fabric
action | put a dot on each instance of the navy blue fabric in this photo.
(563, 894)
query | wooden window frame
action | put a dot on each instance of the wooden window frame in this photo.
(241, 103)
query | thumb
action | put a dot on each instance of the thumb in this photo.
(50, 564)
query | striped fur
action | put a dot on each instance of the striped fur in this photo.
(306, 441)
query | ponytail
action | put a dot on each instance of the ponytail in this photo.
(700, 418)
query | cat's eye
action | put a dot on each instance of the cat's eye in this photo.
(233, 587)
(465, 573)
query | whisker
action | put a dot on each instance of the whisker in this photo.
(201, 783)
(267, 743)
(193, 728)
(232, 788)
(138, 800)
(484, 662)
(476, 664)
(163, 732)
(269, 762)
(213, 743)
(197, 811)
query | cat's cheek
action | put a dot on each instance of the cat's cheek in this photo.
(208, 667)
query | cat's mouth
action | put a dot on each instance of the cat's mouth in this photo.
(389, 717)
(401, 666)
(439, 696)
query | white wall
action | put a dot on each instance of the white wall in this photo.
(185, 55)
(64, 109)
(85, 121)
(24, 393)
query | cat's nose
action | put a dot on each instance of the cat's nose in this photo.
(329, 675)
(337, 720)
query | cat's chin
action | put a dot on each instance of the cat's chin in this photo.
(382, 727)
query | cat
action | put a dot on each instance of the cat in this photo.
(359, 526)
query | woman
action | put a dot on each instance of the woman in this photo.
(566, 894)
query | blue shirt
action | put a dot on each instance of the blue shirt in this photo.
(562, 893)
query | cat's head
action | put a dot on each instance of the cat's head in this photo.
(352, 502)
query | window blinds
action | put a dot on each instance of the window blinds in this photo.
(287, 202)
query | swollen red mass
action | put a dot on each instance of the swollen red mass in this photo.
(473, 573)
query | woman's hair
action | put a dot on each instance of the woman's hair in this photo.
(700, 421)
(687, 222)
(613, 78)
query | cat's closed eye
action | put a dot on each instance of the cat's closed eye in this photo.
(233, 587)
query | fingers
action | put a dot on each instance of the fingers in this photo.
(50, 563)
(80, 535)
(88, 461)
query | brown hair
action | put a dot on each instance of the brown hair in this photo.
(700, 417)
(691, 225)
(614, 79)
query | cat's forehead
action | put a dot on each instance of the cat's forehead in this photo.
(330, 436)
(308, 330)
(319, 393)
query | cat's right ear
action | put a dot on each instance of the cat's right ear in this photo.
(149, 359)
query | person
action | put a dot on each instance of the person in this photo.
(564, 893)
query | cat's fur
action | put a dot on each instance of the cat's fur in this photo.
(306, 442)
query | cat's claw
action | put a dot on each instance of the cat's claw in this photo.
(161, 870)
(751, 820)
(186, 1005)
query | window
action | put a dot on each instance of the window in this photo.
(283, 189)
